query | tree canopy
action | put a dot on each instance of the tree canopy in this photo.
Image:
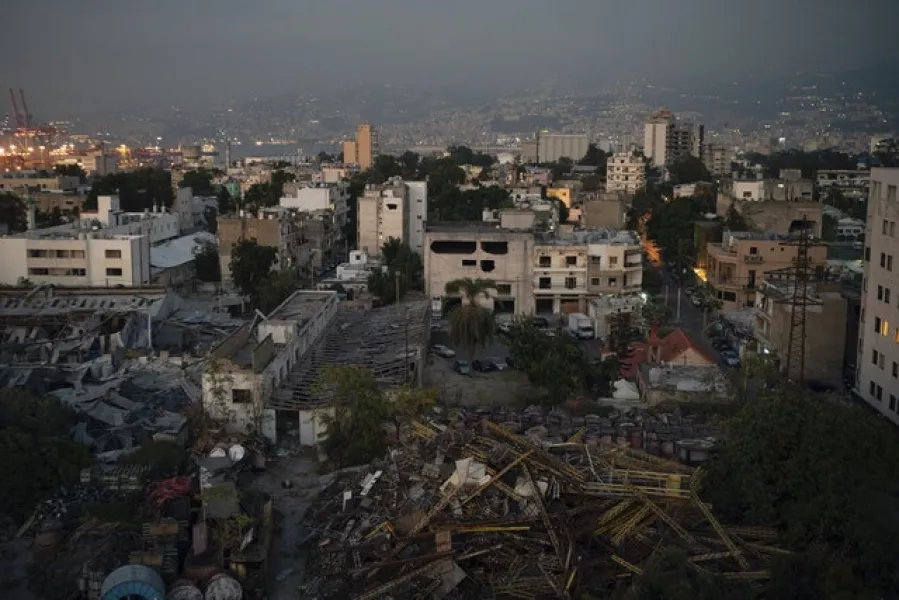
(670, 220)
(595, 158)
(463, 155)
(403, 269)
(71, 171)
(12, 212)
(137, 190)
(38, 454)
(688, 169)
(824, 474)
(807, 162)
(206, 263)
(199, 181)
(251, 266)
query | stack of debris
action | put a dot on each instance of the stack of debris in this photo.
(477, 512)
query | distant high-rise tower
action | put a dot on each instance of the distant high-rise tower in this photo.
(366, 145)
(666, 140)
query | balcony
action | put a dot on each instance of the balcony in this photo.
(753, 258)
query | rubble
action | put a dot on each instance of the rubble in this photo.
(532, 507)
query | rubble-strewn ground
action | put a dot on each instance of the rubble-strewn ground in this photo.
(506, 388)
(287, 560)
(15, 556)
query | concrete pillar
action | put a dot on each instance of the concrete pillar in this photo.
(557, 305)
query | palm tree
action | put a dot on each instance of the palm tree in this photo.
(471, 325)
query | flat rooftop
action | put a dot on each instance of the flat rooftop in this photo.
(470, 227)
(685, 378)
(594, 236)
(302, 305)
(49, 301)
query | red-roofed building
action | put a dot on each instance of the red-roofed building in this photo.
(676, 348)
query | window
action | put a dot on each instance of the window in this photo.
(892, 403)
(895, 370)
(877, 323)
(77, 253)
(544, 283)
(730, 296)
(595, 260)
(594, 281)
(880, 292)
(879, 393)
(241, 396)
(613, 260)
(886, 227)
(570, 283)
(113, 254)
(886, 295)
(883, 259)
(504, 289)
(885, 329)
(38, 271)
(545, 261)
(113, 272)
(872, 389)
(753, 250)
(874, 357)
(613, 282)
(868, 254)
(571, 261)
(890, 262)
(880, 361)
(469, 263)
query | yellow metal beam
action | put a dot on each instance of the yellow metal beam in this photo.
(632, 568)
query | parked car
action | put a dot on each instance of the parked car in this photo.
(696, 300)
(444, 351)
(483, 366)
(462, 367)
(499, 363)
(730, 358)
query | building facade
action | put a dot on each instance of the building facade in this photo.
(717, 159)
(278, 228)
(877, 375)
(666, 140)
(625, 172)
(737, 266)
(396, 209)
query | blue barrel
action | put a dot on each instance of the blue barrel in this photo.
(137, 581)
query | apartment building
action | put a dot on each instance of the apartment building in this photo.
(567, 270)
(553, 146)
(397, 209)
(774, 205)
(825, 325)
(363, 149)
(106, 247)
(877, 375)
(625, 172)
(503, 253)
(277, 227)
(22, 182)
(717, 159)
(315, 197)
(737, 266)
(666, 140)
(606, 210)
(852, 183)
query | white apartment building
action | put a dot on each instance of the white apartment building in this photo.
(317, 197)
(396, 209)
(570, 269)
(553, 146)
(877, 374)
(108, 247)
(625, 172)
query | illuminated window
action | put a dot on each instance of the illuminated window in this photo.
(885, 328)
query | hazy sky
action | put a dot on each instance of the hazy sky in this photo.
(100, 54)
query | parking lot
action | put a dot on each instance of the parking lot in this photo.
(508, 387)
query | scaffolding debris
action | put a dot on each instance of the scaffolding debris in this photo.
(493, 510)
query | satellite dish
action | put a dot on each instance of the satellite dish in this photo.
(217, 453)
(237, 453)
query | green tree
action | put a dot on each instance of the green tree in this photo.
(355, 433)
(71, 171)
(206, 263)
(887, 153)
(688, 169)
(12, 212)
(275, 289)
(594, 157)
(402, 270)
(324, 157)
(668, 223)
(258, 195)
(471, 325)
(463, 155)
(199, 181)
(251, 266)
(39, 457)
(137, 190)
(734, 220)
(820, 471)
(49, 219)
(409, 164)
(829, 229)
(621, 336)
(383, 168)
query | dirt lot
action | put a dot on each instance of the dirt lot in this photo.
(509, 387)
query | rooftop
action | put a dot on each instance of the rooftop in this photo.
(179, 250)
(470, 227)
(45, 301)
(375, 339)
(301, 306)
(685, 378)
(595, 236)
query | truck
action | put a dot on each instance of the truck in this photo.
(436, 308)
(580, 326)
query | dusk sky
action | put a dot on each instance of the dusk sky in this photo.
(103, 54)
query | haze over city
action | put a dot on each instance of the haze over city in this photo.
(144, 56)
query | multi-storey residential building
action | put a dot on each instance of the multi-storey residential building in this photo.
(397, 209)
(666, 140)
(105, 247)
(852, 183)
(825, 325)
(774, 205)
(740, 263)
(717, 159)
(318, 197)
(553, 146)
(569, 269)
(877, 375)
(22, 182)
(363, 149)
(503, 253)
(625, 172)
(277, 227)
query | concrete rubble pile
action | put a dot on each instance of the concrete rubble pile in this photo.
(490, 510)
